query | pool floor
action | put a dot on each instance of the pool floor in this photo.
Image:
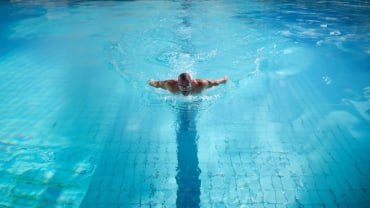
(312, 161)
(81, 127)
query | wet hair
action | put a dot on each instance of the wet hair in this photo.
(185, 77)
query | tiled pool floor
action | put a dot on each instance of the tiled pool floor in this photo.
(311, 161)
(80, 127)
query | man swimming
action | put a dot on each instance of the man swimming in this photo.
(186, 85)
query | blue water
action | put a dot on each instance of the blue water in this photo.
(81, 127)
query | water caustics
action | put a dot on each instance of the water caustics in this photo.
(81, 127)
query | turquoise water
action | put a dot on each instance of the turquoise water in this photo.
(81, 127)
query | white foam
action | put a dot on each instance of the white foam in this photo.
(335, 32)
(320, 42)
(190, 98)
(327, 80)
(285, 33)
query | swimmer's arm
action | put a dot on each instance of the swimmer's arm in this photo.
(157, 84)
(165, 84)
(216, 82)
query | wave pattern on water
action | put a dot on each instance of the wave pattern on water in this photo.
(79, 121)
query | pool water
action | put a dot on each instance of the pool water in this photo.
(81, 127)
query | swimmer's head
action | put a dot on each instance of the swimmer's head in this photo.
(184, 83)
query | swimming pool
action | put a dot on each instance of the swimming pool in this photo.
(81, 127)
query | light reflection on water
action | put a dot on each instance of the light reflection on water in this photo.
(73, 72)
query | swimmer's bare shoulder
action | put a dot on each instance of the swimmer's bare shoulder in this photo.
(206, 83)
(170, 85)
(186, 85)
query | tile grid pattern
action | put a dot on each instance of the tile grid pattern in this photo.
(278, 163)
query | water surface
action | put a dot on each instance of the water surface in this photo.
(80, 126)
